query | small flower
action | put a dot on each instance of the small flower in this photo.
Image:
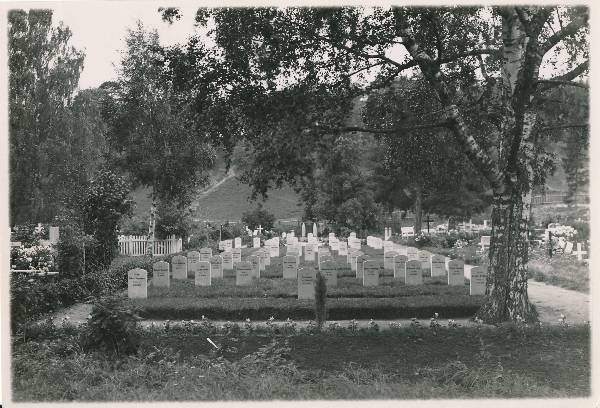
(436, 315)
(247, 320)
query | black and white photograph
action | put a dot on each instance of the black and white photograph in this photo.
(344, 203)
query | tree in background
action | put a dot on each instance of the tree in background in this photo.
(151, 134)
(43, 75)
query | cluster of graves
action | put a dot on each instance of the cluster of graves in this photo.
(407, 263)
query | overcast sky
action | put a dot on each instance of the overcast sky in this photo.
(99, 29)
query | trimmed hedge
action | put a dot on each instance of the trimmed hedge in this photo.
(338, 309)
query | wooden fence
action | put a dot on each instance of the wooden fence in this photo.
(136, 245)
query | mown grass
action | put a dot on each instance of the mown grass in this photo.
(505, 362)
(560, 270)
(347, 287)
(240, 308)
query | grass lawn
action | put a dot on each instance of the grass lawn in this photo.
(407, 363)
(560, 270)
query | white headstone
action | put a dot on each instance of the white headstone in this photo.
(202, 276)
(329, 272)
(353, 256)
(414, 273)
(303, 230)
(388, 246)
(236, 254)
(315, 232)
(437, 263)
(179, 267)
(342, 248)
(478, 281)
(353, 235)
(256, 242)
(54, 235)
(237, 242)
(216, 266)
(306, 283)
(193, 258)
(388, 259)
(265, 258)
(360, 263)
(205, 254)
(227, 261)
(334, 244)
(290, 267)
(580, 252)
(456, 272)
(569, 248)
(255, 262)
(309, 253)
(412, 253)
(243, 274)
(424, 259)
(228, 244)
(137, 284)
(160, 274)
(370, 273)
(274, 248)
(400, 266)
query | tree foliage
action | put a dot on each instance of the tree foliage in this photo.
(43, 75)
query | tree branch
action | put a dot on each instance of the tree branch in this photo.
(568, 30)
(557, 82)
(524, 19)
(564, 79)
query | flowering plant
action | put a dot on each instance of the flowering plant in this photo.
(32, 258)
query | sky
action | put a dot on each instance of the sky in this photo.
(99, 29)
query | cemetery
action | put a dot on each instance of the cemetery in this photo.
(262, 214)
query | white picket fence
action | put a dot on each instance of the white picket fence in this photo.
(135, 245)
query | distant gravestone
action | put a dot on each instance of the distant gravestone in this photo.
(360, 263)
(424, 259)
(160, 274)
(265, 258)
(309, 253)
(228, 245)
(388, 246)
(274, 249)
(437, 265)
(456, 272)
(237, 243)
(312, 240)
(227, 261)
(306, 283)
(329, 272)
(400, 266)
(256, 242)
(353, 235)
(243, 274)
(137, 284)
(478, 281)
(292, 240)
(355, 243)
(388, 259)
(353, 256)
(290, 267)
(412, 254)
(325, 258)
(216, 267)
(54, 235)
(193, 258)
(569, 248)
(342, 248)
(370, 273)
(334, 244)
(236, 254)
(205, 254)
(414, 273)
(179, 267)
(202, 276)
(255, 262)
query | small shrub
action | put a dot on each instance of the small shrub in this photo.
(258, 216)
(113, 328)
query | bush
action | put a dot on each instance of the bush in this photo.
(113, 328)
(71, 251)
(258, 216)
(172, 220)
(106, 202)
